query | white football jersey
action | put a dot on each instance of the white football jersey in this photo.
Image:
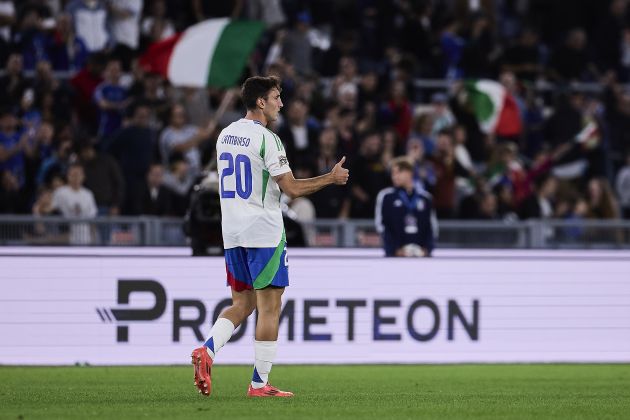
(248, 157)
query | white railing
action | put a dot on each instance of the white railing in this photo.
(154, 231)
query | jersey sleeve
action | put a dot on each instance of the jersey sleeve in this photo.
(274, 155)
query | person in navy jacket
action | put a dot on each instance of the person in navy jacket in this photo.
(404, 215)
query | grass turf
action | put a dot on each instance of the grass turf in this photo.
(425, 391)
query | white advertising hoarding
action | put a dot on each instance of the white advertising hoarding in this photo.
(139, 306)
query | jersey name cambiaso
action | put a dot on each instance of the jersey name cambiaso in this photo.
(248, 157)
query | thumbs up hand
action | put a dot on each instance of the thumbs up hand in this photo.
(340, 174)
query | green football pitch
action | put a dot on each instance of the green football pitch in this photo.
(362, 392)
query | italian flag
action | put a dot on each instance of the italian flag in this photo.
(495, 108)
(211, 53)
(589, 137)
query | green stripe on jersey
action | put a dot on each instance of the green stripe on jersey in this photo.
(264, 185)
(266, 276)
(279, 144)
(265, 173)
(262, 148)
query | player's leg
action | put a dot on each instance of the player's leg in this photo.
(270, 281)
(243, 300)
(268, 304)
(243, 304)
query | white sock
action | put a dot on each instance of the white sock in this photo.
(265, 355)
(219, 335)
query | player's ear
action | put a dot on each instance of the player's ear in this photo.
(260, 103)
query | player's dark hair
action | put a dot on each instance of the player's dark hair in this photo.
(258, 87)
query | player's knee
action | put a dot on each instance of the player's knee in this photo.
(272, 310)
(245, 309)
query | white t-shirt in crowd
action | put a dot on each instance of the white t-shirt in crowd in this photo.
(76, 203)
(90, 23)
(126, 30)
(248, 157)
(7, 9)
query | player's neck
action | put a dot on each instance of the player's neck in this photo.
(256, 116)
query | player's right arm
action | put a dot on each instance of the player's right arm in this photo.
(299, 187)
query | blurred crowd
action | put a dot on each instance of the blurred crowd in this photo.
(85, 130)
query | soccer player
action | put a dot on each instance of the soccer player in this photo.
(253, 168)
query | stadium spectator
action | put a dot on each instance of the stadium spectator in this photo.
(111, 98)
(424, 177)
(601, 200)
(525, 58)
(179, 181)
(29, 116)
(370, 174)
(103, 177)
(566, 120)
(403, 215)
(297, 48)
(7, 19)
(75, 201)
(268, 11)
(441, 115)
(571, 61)
(479, 51)
(42, 144)
(622, 185)
(66, 50)
(196, 103)
(540, 204)
(332, 202)
(154, 198)
(89, 18)
(44, 232)
(399, 109)
(616, 101)
(134, 147)
(43, 205)
(31, 39)
(345, 123)
(13, 198)
(446, 170)
(13, 83)
(12, 147)
(347, 77)
(124, 21)
(608, 32)
(368, 89)
(84, 84)
(452, 46)
(488, 207)
(299, 138)
(179, 136)
(157, 26)
(421, 129)
(602, 205)
(150, 91)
